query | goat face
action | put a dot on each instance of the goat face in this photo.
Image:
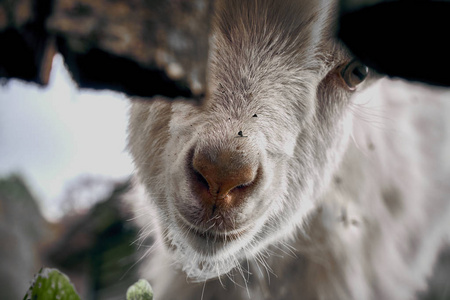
(245, 168)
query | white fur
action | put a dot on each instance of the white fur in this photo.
(352, 201)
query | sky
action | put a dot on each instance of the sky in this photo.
(54, 135)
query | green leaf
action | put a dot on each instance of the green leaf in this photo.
(50, 284)
(141, 290)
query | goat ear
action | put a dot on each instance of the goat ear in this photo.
(408, 39)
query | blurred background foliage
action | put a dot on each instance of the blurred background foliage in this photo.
(94, 246)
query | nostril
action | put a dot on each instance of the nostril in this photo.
(241, 186)
(200, 179)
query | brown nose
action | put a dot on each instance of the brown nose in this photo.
(226, 177)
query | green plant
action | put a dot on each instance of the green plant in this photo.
(51, 284)
(141, 290)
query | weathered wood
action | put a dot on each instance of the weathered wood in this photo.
(140, 47)
(26, 48)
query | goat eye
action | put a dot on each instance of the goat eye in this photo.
(354, 73)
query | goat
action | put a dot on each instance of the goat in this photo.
(298, 177)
